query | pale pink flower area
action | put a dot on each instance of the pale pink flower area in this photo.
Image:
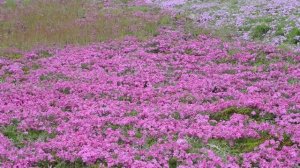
(281, 17)
(152, 104)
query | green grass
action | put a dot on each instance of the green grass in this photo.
(20, 139)
(259, 31)
(243, 145)
(292, 34)
(266, 19)
(195, 144)
(47, 23)
(228, 112)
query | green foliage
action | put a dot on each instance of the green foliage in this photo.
(20, 139)
(220, 147)
(11, 55)
(150, 141)
(138, 133)
(165, 20)
(66, 90)
(234, 51)
(188, 51)
(279, 30)
(176, 115)
(127, 71)
(259, 31)
(228, 112)
(187, 99)
(266, 19)
(132, 113)
(2, 79)
(286, 141)
(292, 34)
(26, 69)
(173, 163)
(124, 1)
(35, 66)
(195, 144)
(243, 145)
(261, 59)
(58, 163)
(125, 98)
(293, 81)
(44, 54)
(53, 76)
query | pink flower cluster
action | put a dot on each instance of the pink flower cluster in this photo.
(137, 104)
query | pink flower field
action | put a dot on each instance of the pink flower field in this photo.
(168, 101)
(172, 100)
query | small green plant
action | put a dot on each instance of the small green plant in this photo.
(138, 133)
(66, 90)
(26, 69)
(259, 31)
(173, 163)
(53, 76)
(176, 115)
(20, 139)
(293, 81)
(279, 30)
(132, 113)
(85, 66)
(12, 55)
(291, 37)
(187, 99)
(150, 141)
(125, 98)
(165, 20)
(188, 51)
(286, 141)
(261, 59)
(195, 144)
(127, 71)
